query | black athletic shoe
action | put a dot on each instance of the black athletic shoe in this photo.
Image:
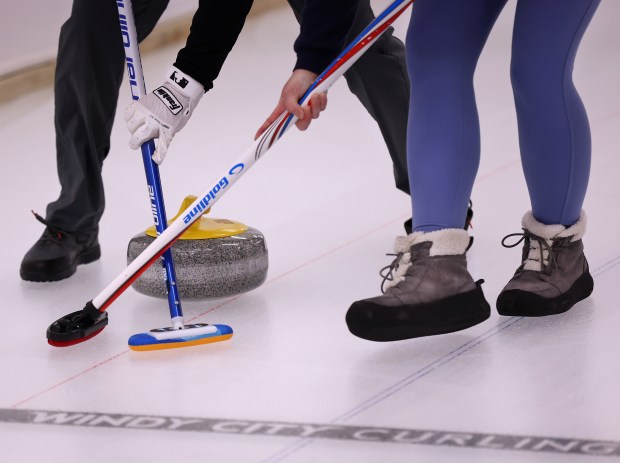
(57, 253)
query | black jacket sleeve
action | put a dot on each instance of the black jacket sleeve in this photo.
(324, 28)
(214, 31)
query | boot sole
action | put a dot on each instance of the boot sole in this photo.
(520, 303)
(86, 257)
(380, 323)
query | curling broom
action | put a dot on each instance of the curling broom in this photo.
(82, 325)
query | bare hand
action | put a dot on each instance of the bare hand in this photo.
(292, 91)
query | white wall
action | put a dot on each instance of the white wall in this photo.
(29, 29)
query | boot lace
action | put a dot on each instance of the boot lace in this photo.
(537, 247)
(54, 233)
(388, 272)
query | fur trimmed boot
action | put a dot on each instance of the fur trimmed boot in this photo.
(430, 291)
(554, 273)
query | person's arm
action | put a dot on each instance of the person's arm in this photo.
(214, 31)
(324, 27)
(161, 114)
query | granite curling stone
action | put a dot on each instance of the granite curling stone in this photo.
(213, 258)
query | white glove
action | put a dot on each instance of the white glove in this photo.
(164, 112)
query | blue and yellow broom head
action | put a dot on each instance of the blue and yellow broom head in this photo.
(171, 338)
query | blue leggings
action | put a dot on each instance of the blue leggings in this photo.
(444, 41)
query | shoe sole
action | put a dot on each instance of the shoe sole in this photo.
(518, 303)
(86, 257)
(383, 324)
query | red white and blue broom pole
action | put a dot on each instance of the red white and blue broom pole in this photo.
(95, 309)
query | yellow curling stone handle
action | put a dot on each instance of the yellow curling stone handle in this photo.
(204, 228)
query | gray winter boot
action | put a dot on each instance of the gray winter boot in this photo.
(430, 291)
(554, 273)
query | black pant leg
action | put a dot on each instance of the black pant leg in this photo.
(380, 81)
(88, 76)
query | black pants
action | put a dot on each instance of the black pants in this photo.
(88, 78)
(89, 73)
(380, 81)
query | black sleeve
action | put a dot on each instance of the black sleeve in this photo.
(215, 29)
(324, 28)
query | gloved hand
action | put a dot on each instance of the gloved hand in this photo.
(164, 112)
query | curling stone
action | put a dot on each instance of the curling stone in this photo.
(213, 258)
